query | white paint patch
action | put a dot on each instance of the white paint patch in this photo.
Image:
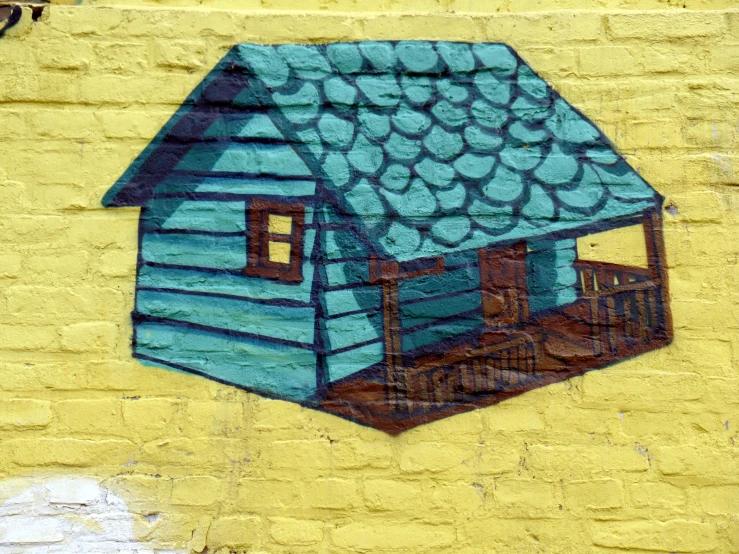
(69, 515)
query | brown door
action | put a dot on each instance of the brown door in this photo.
(503, 283)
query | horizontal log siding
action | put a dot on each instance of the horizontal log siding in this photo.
(437, 307)
(268, 368)
(352, 308)
(195, 309)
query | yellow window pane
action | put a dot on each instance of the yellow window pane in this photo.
(624, 246)
(279, 252)
(280, 224)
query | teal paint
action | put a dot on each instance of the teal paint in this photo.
(352, 329)
(283, 322)
(551, 275)
(355, 360)
(284, 371)
(444, 330)
(246, 158)
(195, 251)
(192, 280)
(423, 313)
(208, 215)
(352, 300)
(247, 187)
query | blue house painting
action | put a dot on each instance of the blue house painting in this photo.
(386, 231)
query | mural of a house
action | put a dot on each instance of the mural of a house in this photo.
(387, 231)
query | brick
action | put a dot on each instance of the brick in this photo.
(306, 28)
(550, 62)
(526, 498)
(65, 124)
(710, 134)
(180, 54)
(196, 491)
(690, 461)
(149, 417)
(128, 123)
(10, 265)
(512, 419)
(295, 532)
(100, 416)
(724, 59)
(376, 536)
(54, 267)
(640, 390)
(140, 491)
(432, 457)
(24, 413)
(544, 28)
(28, 337)
(64, 54)
(699, 207)
(607, 60)
(664, 26)
(306, 454)
(117, 264)
(586, 459)
(439, 27)
(673, 536)
(120, 57)
(71, 303)
(233, 532)
(183, 452)
(90, 336)
(600, 494)
(211, 418)
(385, 494)
(332, 494)
(100, 21)
(656, 495)
(270, 493)
(40, 452)
(357, 453)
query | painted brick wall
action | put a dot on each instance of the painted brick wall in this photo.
(638, 457)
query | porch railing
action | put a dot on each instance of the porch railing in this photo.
(626, 309)
(458, 377)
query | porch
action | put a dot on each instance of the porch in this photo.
(621, 311)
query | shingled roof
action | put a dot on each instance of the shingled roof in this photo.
(433, 146)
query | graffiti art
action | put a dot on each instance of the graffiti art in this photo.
(387, 231)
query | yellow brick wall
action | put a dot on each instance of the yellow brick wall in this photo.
(638, 457)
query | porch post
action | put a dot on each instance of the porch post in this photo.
(393, 347)
(657, 261)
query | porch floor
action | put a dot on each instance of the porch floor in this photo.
(564, 348)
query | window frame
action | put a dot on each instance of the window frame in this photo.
(258, 263)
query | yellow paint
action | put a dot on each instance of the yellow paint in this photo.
(280, 224)
(637, 457)
(279, 252)
(624, 246)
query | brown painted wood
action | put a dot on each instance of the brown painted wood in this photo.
(258, 263)
(393, 352)
(503, 285)
(657, 258)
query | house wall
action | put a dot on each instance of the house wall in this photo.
(194, 309)
(435, 308)
(638, 457)
(352, 322)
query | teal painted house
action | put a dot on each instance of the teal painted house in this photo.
(367, 228)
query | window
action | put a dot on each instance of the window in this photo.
(275, 242)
